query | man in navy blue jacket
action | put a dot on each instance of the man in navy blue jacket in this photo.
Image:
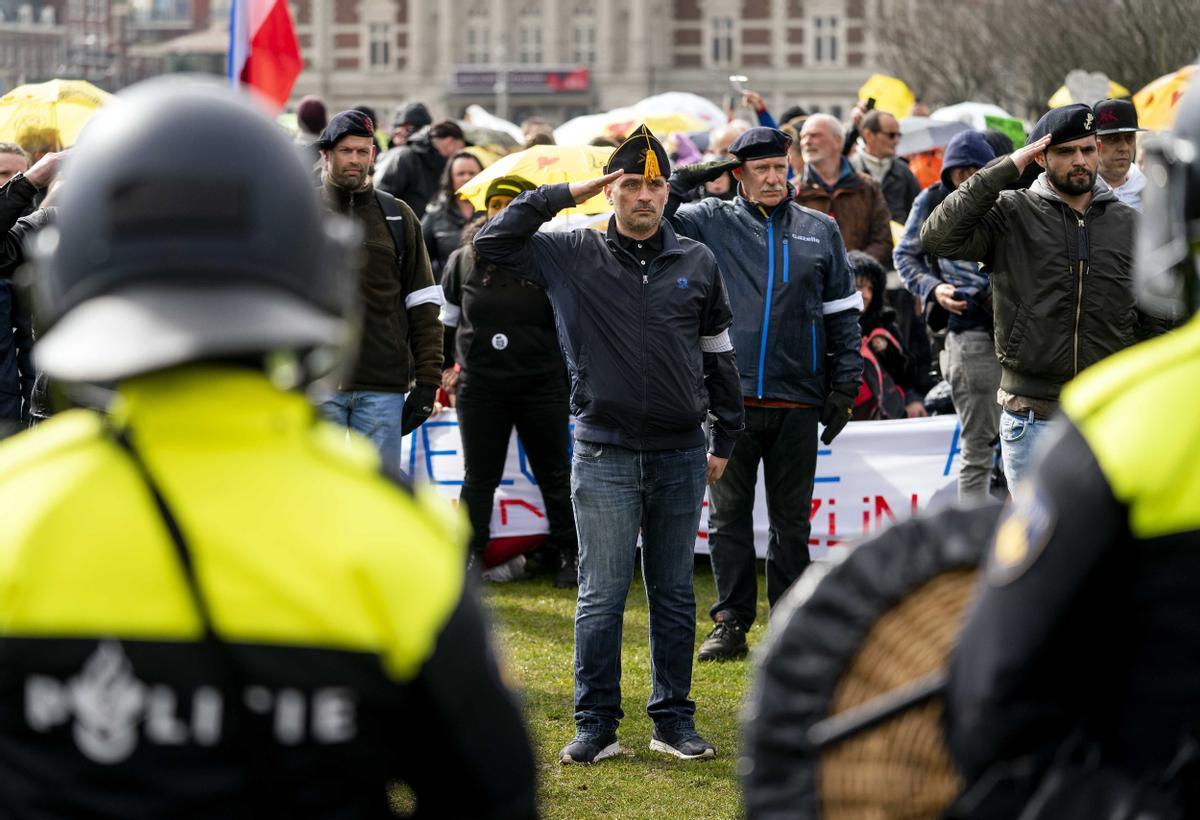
(644, 324)
(795, 309)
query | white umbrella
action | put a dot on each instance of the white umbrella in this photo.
(971, 113)
(478, 115)
(579, 130)
(925, 133)
(683, 102)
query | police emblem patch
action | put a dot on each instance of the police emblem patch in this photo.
(1020, 538)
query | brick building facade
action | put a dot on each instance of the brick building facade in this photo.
(559, 58)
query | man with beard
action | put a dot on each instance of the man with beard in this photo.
(796, 332)
(1060, 256)
(400, 327)
(644, 325)
(1116, 130)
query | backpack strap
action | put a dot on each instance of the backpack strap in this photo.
(395, 222)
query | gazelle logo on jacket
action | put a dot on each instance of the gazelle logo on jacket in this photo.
(802, 238)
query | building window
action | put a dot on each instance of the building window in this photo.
(478, 34)
(583, 34)
(721, 41)
(379, 35)
(529, 34)
(826, 40)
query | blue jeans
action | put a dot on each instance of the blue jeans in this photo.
(615, 492)
(1018, 436)
(377, 415)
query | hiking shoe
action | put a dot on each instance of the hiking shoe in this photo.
(726, 641)
(568, 571)
(685, 744)
(587, 750)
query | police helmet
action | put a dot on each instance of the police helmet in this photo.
(1167, 272)
(188, 228)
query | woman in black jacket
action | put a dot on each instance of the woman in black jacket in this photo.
(442, 224)
(505, 369)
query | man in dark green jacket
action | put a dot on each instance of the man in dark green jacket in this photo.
(401, 334)
(1060, 258)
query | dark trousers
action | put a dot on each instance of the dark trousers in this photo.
(785, 441)
(487, 414)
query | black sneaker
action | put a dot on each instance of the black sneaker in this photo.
(587, 750)
(685, 745)
(568, 571)
(726, 641)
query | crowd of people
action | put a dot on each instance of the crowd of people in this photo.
(736, 312)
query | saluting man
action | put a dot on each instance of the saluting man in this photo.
(644, 324)
(795, 309)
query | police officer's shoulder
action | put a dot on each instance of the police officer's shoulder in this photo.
(65, 434)
(1163, 365)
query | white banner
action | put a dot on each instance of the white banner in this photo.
(874, 473)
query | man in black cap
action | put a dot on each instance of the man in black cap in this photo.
(401, 331)
(1060, 256)
(411, 172)
(1116, 132)
(409, 118)
(644, 325)
(795, 329)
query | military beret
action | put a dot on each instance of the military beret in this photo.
(1070, 122)
(641, 153)
(1116, 117)
(507, 186)
(346, 124)
(760, 143)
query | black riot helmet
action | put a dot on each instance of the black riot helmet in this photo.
(1167, 273)
(188, 229)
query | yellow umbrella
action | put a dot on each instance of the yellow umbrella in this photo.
(545, 165)
(1156, 103)
(1063, 95)
(48, 116)
(619, 123)
(891, 94)
(486, 156)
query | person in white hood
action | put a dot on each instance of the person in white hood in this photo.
(1117, 127)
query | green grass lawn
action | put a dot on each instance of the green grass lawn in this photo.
(534, 625)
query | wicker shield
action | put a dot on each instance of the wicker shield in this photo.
(882, 619)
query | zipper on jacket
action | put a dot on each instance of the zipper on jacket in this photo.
(1081, 272)
(814, 345)
(786, 260)
(766, 323)
(645, 408)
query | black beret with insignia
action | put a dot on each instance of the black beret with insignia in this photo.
(760, 143)
(640, 153)
(346, 124)
(1070, 122)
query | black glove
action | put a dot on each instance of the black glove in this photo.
(839, 405)
(418, 404)
(693, 176)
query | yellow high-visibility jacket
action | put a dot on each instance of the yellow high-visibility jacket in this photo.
(341, 651)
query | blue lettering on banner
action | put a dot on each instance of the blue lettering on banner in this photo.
(826, 479)
(523, 463)
(954, 449)
(429, 454)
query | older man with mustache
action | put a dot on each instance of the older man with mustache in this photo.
(795, 330)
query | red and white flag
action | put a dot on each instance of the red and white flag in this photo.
(263, 52)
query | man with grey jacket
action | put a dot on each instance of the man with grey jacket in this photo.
(1060, 256)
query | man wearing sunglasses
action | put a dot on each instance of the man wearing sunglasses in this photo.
(877, 156)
